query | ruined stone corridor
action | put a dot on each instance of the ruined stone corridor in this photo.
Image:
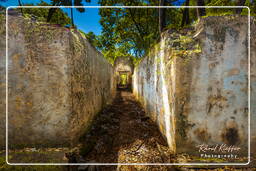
(66, 105)
(122, 133)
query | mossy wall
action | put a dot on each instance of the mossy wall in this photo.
(194, 84)
(57, 83)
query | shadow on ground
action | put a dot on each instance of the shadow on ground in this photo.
(122, 133)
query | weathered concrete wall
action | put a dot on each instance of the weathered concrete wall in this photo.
(57, 83)
(253, 86)
(196, 89)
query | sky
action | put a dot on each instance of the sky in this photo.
(87, 21)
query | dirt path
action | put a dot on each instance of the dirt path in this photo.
(123, 134)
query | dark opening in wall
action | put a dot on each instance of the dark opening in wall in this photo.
(124, 80)
(123, 72)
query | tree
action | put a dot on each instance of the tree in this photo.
(59, 17)
(65, 3)
(201, 11)
(128, 30)
(133, 31)
(252, 5)
(20, 4)
(71, 13)
(240, 3)
(52, 10)
(162, 23)
(185, 17)
(76, 3)
(93, 39)
(2, 9)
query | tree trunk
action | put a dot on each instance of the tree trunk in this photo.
(141, 34)
(50, 14)
(20, 4)
(185, 16)
(161, 16)
(72, 17)
(201, 11)
(240, 3)
(148, 28)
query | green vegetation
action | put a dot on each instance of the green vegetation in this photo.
(2, 25)
(6, 167)
(128, 31)
(123, 79)
(65, 3)
(52, 15)
(59, 17)
(134, 31)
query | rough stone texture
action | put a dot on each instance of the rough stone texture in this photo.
(57, 83)
(196, 89)
(2, 81)
(253, 86)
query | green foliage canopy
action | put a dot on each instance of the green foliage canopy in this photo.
(59, 17)
(131, 31)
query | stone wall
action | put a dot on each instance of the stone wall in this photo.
(253, 86)
(57, 83)
(2, 81)
(194, 84)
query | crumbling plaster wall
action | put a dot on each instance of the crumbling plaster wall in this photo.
(57, 83)
(196, 88)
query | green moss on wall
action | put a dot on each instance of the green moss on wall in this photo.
(35, 31)
(2, 24)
